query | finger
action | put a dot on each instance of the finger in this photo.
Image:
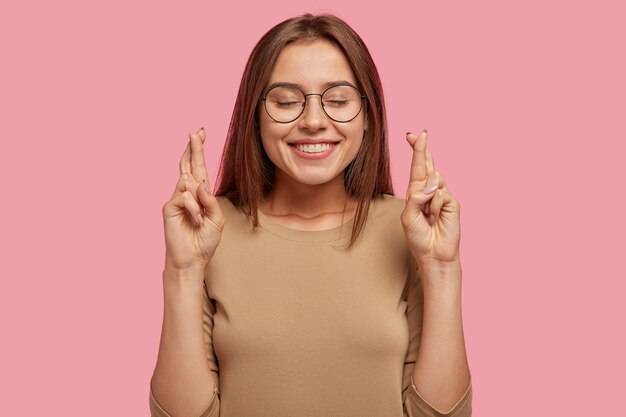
(435, 206)
(210, 204)
(434, 181)
(185, 161)
(430, 165)
(419, 193)
(440, 202)
(187, 201)
(208, 188)
(418, 164)
(187, 182)
(198, 164)
(416, 199)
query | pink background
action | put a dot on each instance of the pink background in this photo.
(525, 108)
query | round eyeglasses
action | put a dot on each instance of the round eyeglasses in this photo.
(341, 103)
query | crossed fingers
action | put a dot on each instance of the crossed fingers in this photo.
(427, 187)
(192, 165)
(192, 160)
(423, 173)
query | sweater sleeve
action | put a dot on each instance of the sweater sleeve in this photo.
(213, 408)
(414, 404)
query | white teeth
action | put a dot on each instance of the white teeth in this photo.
(317, 148)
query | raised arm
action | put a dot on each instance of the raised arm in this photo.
(181, 384)
(431, 222)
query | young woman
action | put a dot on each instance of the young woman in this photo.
(302, 286)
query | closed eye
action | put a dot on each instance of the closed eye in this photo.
(288, 103)
(336, 102)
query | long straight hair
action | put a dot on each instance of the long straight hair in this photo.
(246, 173)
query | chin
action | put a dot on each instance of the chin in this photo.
(312, 178)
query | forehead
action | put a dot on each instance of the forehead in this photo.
(311, 65)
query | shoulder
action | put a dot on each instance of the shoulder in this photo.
(225, 204)
(384, 216)
(384, 230)
(232, 213)
(390, 201)
(387, 205)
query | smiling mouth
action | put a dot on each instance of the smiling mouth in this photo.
(313, 148)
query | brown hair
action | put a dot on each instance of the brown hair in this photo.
(246, 173)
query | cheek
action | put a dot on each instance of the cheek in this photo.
(356, 133)
(270, 150)
(271, 140)
(270, 130)
(271, 134)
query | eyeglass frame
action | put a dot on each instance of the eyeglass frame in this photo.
(264, 99)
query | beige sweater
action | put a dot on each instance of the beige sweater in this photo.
(296, 326)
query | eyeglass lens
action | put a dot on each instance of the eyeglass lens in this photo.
(341, 103)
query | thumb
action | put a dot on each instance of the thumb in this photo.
(413, 209)
(416, 198)
(211, 206)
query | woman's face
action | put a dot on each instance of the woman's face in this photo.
(313, 149)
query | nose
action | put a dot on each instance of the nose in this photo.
(313, 117)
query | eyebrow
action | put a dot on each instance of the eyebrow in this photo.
(325, 85)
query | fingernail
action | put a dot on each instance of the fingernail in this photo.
(409, 133)
(206, 187)
(200, 219)
(430, 189)
(425, 132)
(426, 209)
(202, 128)
(431, 218)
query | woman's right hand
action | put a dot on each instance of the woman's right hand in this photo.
(192, 218)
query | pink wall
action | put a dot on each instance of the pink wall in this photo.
(524, 105)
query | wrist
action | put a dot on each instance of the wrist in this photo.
(193, 274)
(441, 276)
(437, 266)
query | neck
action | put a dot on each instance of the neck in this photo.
(290, 197)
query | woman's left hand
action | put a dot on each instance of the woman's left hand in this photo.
(431, 218)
